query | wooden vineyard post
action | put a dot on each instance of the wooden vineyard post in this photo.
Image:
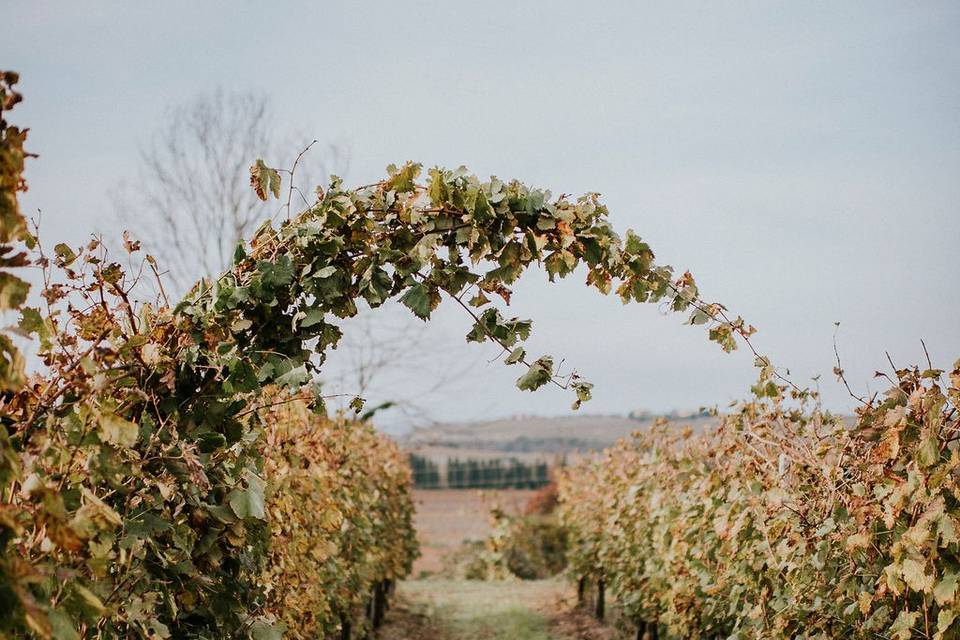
(647, 630)
(581, 590)
(641, 629)
(601, 604)
(388, 589)
(379, 599)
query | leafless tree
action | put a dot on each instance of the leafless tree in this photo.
(192, 203)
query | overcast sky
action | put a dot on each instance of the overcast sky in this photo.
(802, 160)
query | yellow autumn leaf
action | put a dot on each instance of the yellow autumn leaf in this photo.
(915, 575)
(946, 590)
(118, 431)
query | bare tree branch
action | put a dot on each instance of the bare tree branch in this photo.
(191, 203)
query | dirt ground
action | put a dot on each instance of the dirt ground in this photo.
(435, 609)
(430, 608)
(447, 517)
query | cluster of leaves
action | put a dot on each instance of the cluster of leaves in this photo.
(148, 496)
(340, 515)
(132, 469)
(13, 290)
(534, 547)
(468, 239)
(483, 559)
(784, 521)
(529, 546)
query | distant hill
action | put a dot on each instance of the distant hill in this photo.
(525, 435)
(517, 452)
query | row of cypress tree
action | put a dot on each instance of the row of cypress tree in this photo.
(496, 473)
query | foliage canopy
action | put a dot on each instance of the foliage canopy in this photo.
(785, 521)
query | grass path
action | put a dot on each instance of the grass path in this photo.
(471, 610)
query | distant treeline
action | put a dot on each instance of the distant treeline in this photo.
(497, 473)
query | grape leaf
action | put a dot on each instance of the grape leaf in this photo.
(420, 300)
(539, 374)
(264, 180)
(248, 503)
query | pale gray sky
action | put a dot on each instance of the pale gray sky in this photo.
(801, 159)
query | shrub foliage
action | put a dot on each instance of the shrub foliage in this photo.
(340, 516)
(785, 521)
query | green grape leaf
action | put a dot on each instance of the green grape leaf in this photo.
(583, 391)
(118, 431)
(13, 291)
(539, 374)
(420, 300)
(516, 356)
(65, 256)
(356, 404)
(248, 503)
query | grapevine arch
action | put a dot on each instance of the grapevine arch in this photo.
(452, 235)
